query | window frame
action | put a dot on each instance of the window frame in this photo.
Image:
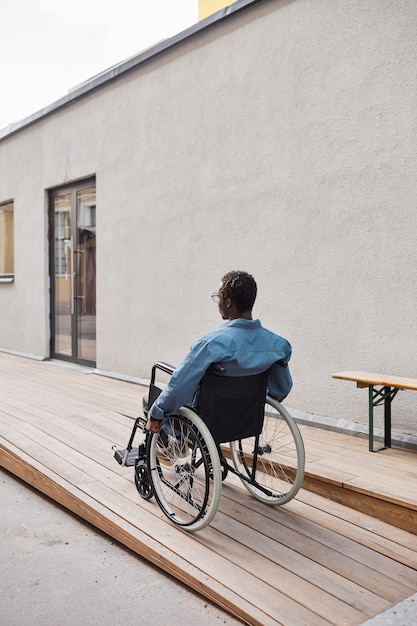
(7, 206)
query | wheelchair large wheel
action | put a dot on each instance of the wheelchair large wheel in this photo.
(184, 470)
(273, 472)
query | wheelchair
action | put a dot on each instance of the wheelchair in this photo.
(236, 428)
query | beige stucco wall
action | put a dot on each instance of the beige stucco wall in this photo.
(282, 141)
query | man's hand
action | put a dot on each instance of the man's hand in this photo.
(153, 426)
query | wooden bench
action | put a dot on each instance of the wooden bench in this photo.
(381, 390)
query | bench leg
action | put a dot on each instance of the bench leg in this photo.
(387, 416)
(383, 395)
(371, 419)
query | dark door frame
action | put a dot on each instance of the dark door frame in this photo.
(71, 189)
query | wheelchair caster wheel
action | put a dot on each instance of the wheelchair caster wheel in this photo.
(142, 481)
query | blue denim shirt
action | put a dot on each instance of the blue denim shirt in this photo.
(242, 347)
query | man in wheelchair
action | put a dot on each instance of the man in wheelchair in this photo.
(184, 458)
(240, 347)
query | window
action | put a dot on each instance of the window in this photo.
(6, 242)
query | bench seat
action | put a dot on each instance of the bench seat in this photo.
(364, 379)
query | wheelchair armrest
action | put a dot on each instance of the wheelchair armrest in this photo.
(165, 367)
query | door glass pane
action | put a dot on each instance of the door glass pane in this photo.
(63, 270)
(86, 274)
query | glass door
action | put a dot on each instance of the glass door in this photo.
(73, 261)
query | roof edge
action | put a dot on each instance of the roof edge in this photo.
(125, 66)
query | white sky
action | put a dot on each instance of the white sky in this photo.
(48, 47)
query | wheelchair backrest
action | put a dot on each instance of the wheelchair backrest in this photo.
(232, 406)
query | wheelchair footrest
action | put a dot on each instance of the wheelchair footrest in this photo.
(120, 455)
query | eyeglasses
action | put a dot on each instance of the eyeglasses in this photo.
(215, 297)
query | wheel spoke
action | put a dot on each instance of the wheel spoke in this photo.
(183, 460)
(271, 466)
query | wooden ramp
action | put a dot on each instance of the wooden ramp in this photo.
(313, 561)
(382, 484)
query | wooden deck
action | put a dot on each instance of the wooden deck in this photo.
(314, 561)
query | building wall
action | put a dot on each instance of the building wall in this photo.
(281, 141)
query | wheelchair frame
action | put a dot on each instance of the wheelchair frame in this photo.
(183, 467)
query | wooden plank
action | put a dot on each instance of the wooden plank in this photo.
(380, 509)
(377, 535)
(383, 484)
(304, 574)
(338, 447)
(368, 568)
(332, 439)
(100, 392)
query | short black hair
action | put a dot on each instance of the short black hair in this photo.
(241, 288)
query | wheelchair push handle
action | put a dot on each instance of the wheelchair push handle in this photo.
(169, 369)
